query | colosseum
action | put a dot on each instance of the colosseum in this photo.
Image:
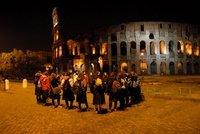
(147, 48)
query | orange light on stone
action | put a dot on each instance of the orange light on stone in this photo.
(60, 51)
(188, 48)
(104, 49)
(93, 50)
(196, 51)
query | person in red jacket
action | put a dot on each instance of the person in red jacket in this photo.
(45, 84)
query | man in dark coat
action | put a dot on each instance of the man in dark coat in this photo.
(112, 93)
(68, 94)
(38, 88)
(55, 94)
(81, 92)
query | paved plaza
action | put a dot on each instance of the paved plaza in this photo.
(20, 114)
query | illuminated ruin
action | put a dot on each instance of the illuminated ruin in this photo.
(143, 47)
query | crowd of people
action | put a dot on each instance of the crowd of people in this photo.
(123, 89)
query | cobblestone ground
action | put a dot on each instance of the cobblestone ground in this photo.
(19, 114)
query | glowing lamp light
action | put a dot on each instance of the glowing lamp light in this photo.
(93, 50)
(100, 62)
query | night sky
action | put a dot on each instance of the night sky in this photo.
(27, 25)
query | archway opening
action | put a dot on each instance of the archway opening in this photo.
(171, 68)
(163, 68)
(196, 67)
(123, 49)
(162, 47)
(153, 67)
(189, 68)
(113, 49)
(180, 67)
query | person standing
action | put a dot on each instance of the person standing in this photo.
(81, 92)
(55, 90)
(68, 94)
(112, 92)
(38, 88)
(45, 84)
(99, 97)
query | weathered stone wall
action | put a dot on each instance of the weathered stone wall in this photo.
(166, 63)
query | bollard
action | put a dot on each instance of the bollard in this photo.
(24, 83)
(180, 91)
(6, 84)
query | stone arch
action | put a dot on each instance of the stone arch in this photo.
(163, 68)
(180, 47)
(132, 47)
(196, 68)
(124, 67)
(189, 67)
(171, 68)
(133, 44)
(60, 50)
(56, 52)
(151, 36)
(104, 49)
(105, 67)
(113, 37)
(171, 48)
(114, 66)
(180, 67)
(133, 67)
(162, 47)
(143, 67)
(142, 47)
(152, 48)
(123, 49)
(113, 49)
(196, 49)
(153, 67)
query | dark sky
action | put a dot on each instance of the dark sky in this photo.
(27, 25)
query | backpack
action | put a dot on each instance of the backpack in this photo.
(116, 86)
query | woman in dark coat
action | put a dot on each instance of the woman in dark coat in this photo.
(81, 92)
(55, 95)
(112, 92)
(68, 94)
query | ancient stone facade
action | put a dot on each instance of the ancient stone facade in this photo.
(143, 47)
(153, 47)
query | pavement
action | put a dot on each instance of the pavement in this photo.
(20, 114)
